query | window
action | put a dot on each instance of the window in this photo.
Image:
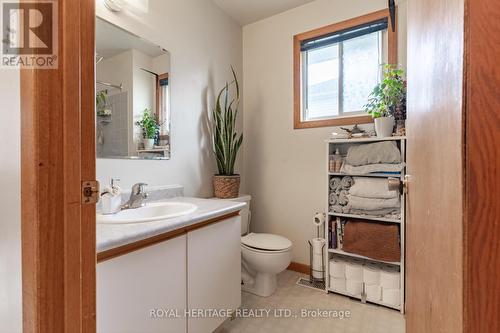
(336, 68)
(163, 103)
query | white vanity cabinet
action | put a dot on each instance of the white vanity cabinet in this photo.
(149, 289)
(214, 272)
(129, 287)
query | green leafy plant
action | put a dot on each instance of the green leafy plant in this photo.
(149, 124)
(388, 98)
(226, 140)
(101, 101)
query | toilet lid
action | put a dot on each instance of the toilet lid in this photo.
(266, 242)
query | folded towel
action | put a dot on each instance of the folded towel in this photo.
(369, 168)
(346, 182)
(334, 183)
(394, 213)
(372, 153)
(342, 198)
(372, 188)
(356, 202)
(333, 198)
(339, 209)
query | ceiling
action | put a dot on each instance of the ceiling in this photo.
(249, 11)
(111, 40)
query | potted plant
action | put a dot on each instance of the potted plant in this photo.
(149, 127)
(101, 101)
(387, 100)
(226, 141)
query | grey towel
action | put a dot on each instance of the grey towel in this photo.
(343, 199)
(333, 199)
(374, 153)
(334, 183)
(346, 182)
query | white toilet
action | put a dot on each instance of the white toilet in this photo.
(263, 256)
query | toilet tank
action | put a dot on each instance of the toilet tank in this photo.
(245, 212)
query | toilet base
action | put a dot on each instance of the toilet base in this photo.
(264, 285)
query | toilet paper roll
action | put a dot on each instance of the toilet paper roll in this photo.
(391, 296)
(390, 279)
(318, 266)
(317, 244)
(338, 284)
(337, 269)
(373, 292)
(319, 219)
(354, 287)
(371, 275)
(354, 272)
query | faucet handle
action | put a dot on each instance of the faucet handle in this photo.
(139, 188)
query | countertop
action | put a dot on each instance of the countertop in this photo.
(110, 236)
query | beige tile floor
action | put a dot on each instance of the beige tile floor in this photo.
(364, 318)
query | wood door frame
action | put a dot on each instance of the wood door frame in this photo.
(58, 153)
(482, 158)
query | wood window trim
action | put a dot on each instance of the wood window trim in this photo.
(297, 67)
(158, 79)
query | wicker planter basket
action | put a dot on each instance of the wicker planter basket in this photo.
(226, 187)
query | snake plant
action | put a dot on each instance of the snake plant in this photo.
(225, 137)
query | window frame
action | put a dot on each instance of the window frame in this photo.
(298, 67)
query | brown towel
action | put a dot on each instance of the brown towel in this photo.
(379, 241)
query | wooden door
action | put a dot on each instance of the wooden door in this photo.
(435, 131)
(58, 153)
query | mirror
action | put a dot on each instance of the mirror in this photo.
(132, 96)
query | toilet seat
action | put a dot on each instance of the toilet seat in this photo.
(265, 242)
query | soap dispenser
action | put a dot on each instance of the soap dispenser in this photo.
(111, 198)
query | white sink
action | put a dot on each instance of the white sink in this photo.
(151, 212)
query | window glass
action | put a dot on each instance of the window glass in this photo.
(322, 72)
(361, 67)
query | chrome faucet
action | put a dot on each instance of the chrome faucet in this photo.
(137, 197)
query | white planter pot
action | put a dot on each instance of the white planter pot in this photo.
(384, 126)
(148, 143)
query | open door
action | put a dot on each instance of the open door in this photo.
(453, 227)
(58, 154)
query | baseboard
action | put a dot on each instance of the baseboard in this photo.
(298, 267)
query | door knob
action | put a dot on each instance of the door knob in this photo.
(406, 183)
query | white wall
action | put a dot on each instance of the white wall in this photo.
(10, 203)
(285, 168)
(203, 42)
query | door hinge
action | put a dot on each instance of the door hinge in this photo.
(90, 192)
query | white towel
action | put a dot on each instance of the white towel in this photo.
(354, 287)
(356, 202)
(338, 284)
(354, 272)
(372, 188)
(369, 168)
(373, 292)
(371, 275)
(391, 296)
(337, 269)
(390, 280)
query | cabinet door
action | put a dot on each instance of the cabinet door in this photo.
(214, 271)
(131, 287)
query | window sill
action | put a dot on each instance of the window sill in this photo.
(341, 121)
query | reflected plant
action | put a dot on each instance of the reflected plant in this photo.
(148, 124)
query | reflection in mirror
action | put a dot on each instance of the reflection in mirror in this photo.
(132, 96)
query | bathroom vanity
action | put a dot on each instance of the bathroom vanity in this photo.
(161, 276)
